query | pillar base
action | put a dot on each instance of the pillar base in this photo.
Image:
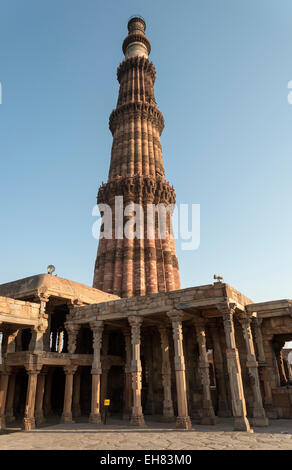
(183, 422)
(209, 420)
(242, 424)
(260, 421)
(95, 418)
(67, 419)
(137, 420)
(29, 423)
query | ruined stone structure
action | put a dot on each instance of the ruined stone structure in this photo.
(130, 267)
(153, 349)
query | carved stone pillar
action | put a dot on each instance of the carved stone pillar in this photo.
(39, 413)
(4, 378)
(183, 420)
(67, 409)
(72, 330)
(76, 396)
(234, 370)
(137, 417)
(37, 336)
(97, 329)
(278, 346)
(8, 340)
(168, 413)
(262, 364)
(208, 415)
(128, 375)
(29, 419)
(259, 415)
(10, 418)
(223, 407)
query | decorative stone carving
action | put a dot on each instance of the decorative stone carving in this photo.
(72, 330)
(259, 415)
(168, 413)
(183, 420)
(234, 370)
(137, 417)
(208, 415)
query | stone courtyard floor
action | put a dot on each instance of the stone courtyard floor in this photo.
(155, 436)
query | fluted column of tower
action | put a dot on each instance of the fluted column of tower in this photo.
(131, 266)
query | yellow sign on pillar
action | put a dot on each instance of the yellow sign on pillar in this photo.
(106, 402)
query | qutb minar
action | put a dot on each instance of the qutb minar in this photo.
(131, 267)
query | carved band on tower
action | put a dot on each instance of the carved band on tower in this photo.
(133, 266)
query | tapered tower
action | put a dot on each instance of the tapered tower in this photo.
(131, 266)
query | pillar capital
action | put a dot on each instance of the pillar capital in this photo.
(33, 369)
(175, 315)
(135, 321)
(72, 327)
(70, 370)
(97, 325)
(72, 330)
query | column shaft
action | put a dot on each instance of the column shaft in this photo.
(259, 415)
(168, 413)
(4, 377)
(208, 411)
(29, 419)
(183, 420)
(234, 371)
(137, 417)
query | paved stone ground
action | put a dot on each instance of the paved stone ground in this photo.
(118, 436)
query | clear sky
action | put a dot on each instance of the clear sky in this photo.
(222, 74)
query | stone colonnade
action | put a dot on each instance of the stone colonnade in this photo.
(39, 380)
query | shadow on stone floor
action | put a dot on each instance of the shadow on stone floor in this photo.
(114, 426)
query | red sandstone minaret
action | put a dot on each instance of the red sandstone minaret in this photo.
(131, 267)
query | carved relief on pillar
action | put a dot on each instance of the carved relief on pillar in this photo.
(137, 417)
(278, 346)
(72, 330)
(259, 415)
(4, 380)
(128, 377)
(183, 420)
(234, 369)
(223, 405)
(36, 343)
(97, 330)
(208, 411)
(168, 413)
(176, 317)
(29, 418)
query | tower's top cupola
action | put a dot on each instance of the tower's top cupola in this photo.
(136, 43)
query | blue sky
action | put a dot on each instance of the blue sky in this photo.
(222, 74)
